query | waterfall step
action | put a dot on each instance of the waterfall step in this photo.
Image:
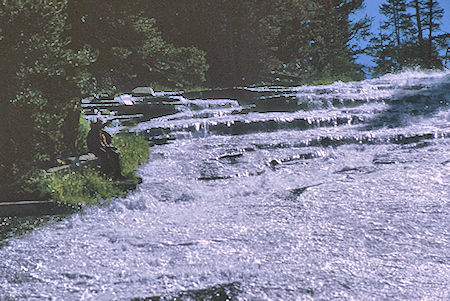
(33, 208)
(49, 207)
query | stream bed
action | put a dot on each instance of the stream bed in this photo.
(271, 193)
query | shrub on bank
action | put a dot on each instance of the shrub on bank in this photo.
(89, 186)
(134, 151)
(83, 130)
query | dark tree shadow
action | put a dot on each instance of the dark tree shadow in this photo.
(408, 105)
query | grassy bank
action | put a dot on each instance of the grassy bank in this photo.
(134, 151)
(89, 186)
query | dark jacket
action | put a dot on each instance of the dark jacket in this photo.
(98, 141)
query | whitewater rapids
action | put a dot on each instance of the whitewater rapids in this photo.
(272, 193)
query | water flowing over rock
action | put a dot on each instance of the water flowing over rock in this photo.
(325, 192)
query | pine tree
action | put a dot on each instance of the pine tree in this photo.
(131, 49)
(319, 40)
(408, 46)
(417, 5)
(398, 19)
(432, 14)
(254, 39)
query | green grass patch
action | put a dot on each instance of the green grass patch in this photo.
(85, 187)
(82, 132)
(89, 186)
(134, 151)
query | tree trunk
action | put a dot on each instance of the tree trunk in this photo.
(397, 25)
(418, 21)
(446, 56)
(430, 30)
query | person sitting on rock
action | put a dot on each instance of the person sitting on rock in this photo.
(99, 143)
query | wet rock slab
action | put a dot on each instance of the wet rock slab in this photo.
(33, 208)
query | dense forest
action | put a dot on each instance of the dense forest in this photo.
(53, 53)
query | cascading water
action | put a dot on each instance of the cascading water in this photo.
(327, 192)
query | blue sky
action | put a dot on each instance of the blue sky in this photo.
(372, 10)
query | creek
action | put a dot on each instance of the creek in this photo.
(271, 193)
